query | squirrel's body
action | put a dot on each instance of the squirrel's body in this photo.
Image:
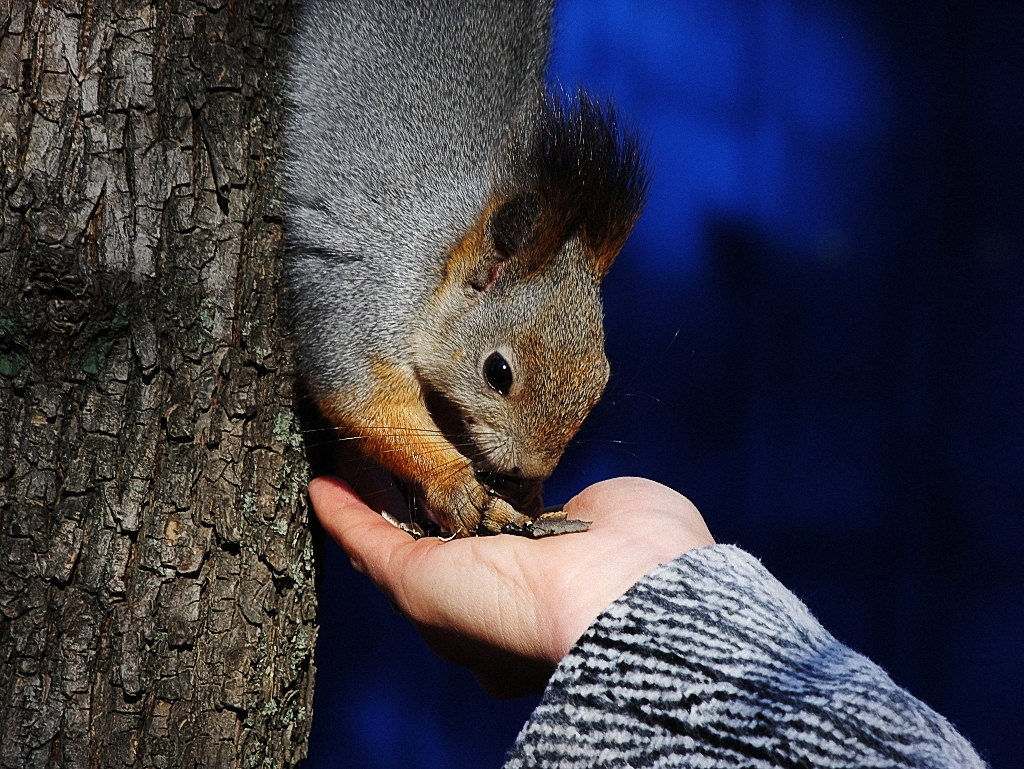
(444, 210)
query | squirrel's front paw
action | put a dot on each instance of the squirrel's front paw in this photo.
(501, 517)
(470, 508)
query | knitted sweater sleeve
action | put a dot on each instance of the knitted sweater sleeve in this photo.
(710, 662)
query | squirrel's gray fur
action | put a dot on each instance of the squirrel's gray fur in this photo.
(419, 130)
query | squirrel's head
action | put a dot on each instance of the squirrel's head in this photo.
(511, 355)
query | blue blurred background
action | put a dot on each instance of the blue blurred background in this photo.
(816, 333)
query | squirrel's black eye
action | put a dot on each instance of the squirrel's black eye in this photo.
(498, 373)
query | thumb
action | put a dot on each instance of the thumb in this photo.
(370, 542)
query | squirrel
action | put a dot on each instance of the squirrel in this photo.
(449, 222)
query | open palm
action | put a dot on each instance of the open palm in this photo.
(509, 608)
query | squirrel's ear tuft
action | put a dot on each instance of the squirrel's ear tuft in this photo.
(589, 174)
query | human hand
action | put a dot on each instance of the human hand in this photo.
(509, 608)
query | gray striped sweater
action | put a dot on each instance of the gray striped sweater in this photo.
(709, 661)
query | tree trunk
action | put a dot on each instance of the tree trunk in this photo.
(156, 595)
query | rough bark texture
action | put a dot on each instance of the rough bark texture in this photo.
(156, 595)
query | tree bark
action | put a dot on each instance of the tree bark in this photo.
(157, 604)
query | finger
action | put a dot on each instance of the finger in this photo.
(369, 541)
